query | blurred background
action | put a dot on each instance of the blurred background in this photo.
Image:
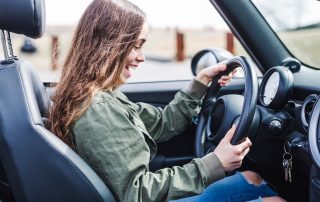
(196, 26)
(178, 29)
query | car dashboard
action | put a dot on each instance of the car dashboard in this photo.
(285, 109)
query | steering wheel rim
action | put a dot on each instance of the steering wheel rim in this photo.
(249, 104)
(314, 134)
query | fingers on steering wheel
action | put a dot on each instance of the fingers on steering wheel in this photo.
(240, 148)
(222, 67)
(230, 133)
(224, 80)
(236, 164)
(245, 152)
(241, 156)
(233, 72)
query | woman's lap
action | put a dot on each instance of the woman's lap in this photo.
(232, 188)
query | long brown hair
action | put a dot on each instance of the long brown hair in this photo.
(105, 35)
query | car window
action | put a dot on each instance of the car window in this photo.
(195, 23)
(297, 23)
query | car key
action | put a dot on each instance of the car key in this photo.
(287, 164)
(289, 169)
(286, 170)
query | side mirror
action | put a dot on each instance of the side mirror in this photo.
(208, 57)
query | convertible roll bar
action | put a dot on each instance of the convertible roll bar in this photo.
(7, 45)
(4, 44)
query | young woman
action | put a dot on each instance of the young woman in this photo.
(117, 137)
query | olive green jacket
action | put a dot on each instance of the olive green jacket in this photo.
(118, 139)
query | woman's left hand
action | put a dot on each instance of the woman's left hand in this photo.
(206, 75)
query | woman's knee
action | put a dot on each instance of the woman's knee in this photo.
(273, 199)
(252, 177)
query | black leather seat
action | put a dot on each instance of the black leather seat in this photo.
(38, 165)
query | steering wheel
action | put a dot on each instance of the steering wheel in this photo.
(218, 115)
(314, 134)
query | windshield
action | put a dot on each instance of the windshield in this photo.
(297, 23)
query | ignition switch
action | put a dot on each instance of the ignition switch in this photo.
(275, 126)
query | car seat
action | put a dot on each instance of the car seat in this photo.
(37, 165)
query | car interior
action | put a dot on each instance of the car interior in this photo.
(279, 111)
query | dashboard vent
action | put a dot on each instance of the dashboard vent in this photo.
(307, 108)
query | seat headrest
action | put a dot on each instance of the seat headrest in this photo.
(23, 17)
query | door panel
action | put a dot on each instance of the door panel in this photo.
(155, 93)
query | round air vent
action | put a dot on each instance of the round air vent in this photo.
(307, 108)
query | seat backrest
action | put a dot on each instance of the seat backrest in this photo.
(38, 165)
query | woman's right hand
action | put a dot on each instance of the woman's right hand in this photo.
(231, 156)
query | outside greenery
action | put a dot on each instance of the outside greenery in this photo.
(304, 44)
(297, 22)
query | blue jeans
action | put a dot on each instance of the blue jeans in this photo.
(233, 188)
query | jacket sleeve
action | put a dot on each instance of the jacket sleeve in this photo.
(163, 124)
(118, 152)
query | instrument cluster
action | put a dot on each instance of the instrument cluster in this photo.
(276, 87)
